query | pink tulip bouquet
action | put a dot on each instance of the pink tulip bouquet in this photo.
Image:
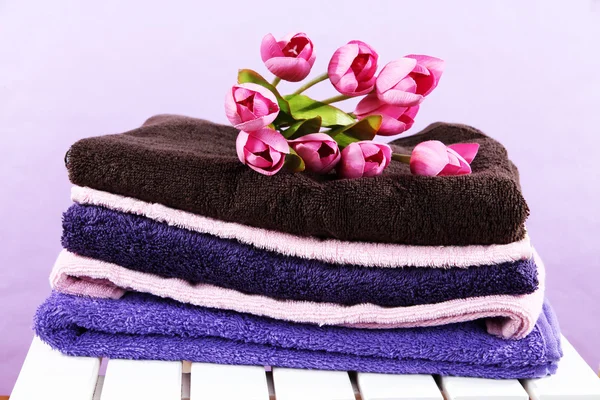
(301, 133)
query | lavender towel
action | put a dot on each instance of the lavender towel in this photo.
(141, 244)
(140, 326)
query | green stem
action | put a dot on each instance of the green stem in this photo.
(335, 99)
(403, 158)
(352, 115)
(276, 81)
(311, 83)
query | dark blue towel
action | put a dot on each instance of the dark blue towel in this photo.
(145, 245)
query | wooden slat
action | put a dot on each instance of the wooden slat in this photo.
(299, 384)
(47, 374)
(228, 382)
(574, 380)
(148, 380)
(455, 388)
(398, 387)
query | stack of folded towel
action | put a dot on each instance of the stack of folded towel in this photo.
(174, 250)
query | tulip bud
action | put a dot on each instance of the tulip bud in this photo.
(364, 158)
(433, 158)
(394, 119)
(352, 68)
(250, 107)
(318, 150)
(263, 150)
(291, 58)
(406, 82)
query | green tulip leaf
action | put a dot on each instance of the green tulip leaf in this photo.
(365, 129)
(303, 127)
(294, 162)
(250, 76)
(303, 107)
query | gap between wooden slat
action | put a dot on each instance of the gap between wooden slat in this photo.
(438, 381)
(354, 382)
(270, 383)
(185, 385)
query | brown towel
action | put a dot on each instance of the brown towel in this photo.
(191, 164)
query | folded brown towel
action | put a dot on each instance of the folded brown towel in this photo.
(191, 164)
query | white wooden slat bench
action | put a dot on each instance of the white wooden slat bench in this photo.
(49, 375)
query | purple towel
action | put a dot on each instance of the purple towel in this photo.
(145, 245)
(140, 326)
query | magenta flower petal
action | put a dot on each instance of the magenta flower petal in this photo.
(313, 137)
(434, 65)
(341, 61)
(394, 72)
(255, 146)
(289, 69)
(249, 106)
(257, 161)
(395, 119)
(269, 48)
(347, 84)
(427, 81)
(391, 126)
(433, 158)
(457, 165)
(428, 158)
(367, 105)
(352, 68)
(291, 58)
(263, 150)
(231, 111)
(468, 151)
(352, 162)
(364, 158)
(318, 150)
(273, 139)
(253, 125)
(401, 98)
(240, 142)
(397, 85)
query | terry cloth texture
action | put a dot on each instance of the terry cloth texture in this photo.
(191, 165)
(144, 245)
(327, 250)
(511, 317)
(141, 326)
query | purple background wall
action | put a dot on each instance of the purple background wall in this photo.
(527, 73)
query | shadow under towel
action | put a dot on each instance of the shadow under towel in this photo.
(144, 245)
(191, 165)
(141, 326)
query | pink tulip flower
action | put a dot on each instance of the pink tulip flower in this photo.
(406, 82)
(318, 150)
(352, 68)
(433, 158)
(364, 158)
(395, 119)
(249, 106)
(291, 58)
(263, 150)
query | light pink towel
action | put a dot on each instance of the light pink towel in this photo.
(509, 316)
(328, 250)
